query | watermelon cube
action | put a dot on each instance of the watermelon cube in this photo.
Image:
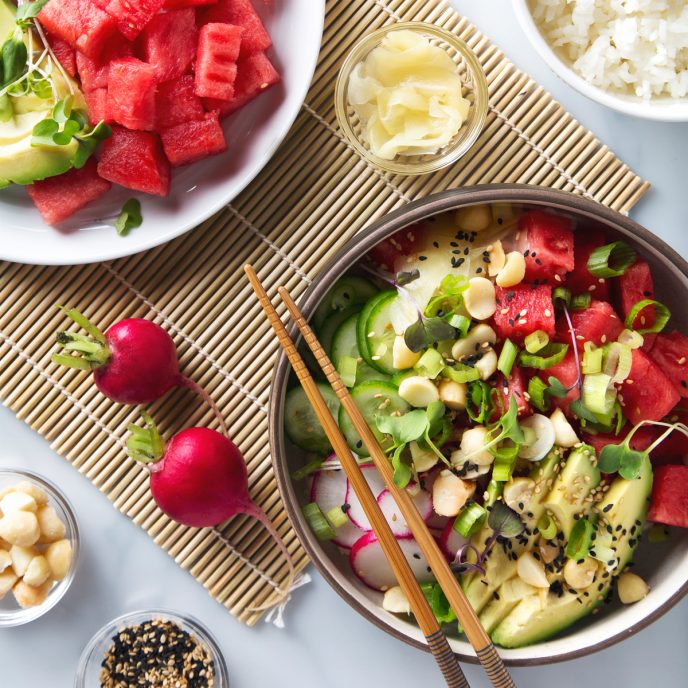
(514, 386)
(194, 140)
(670, 353)
(240, 13)
(580, 280)
(79, 22)
(94, 73)
(168, 43)
(566, 371)
(255, 74)
(96, 102)
(636, 285)
(134, 159)
(180, 4)
(133, 15)
(131, 94)
(58, 198)
(669, 502)
(64, 53)
(598, 324)
(216, 57)
(550, 245)
(523, 309)
(176, 102)
(647, 393)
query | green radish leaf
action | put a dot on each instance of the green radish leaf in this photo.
(403, 429)
(415, 336)
(28, 11)
(43, 133)
(556, 388)
(6, 109)
(62, 110)
(129, 218)
(611, 457)
(14, 57)
(438, 330)
(435, 415)
(631, 464)
(583, 412)
(504, 520)
(64, 137)
(40, 85)
(402, 471)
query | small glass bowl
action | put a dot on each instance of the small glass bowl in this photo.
(88, 672)
(11, 614)
(474, 90)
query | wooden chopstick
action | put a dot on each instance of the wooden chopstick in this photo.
(487, 654)
(436, 640)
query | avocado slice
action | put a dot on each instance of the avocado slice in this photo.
(494, 613)
(572, 487)
(623, 508)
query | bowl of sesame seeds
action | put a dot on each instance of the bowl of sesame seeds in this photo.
(152, 649)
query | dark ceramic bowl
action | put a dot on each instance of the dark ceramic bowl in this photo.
(663, 567)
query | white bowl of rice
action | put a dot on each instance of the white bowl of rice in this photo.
(630, 55)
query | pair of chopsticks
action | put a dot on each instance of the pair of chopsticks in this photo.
(437, 641)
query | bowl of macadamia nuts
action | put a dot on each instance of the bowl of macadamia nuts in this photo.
(39, 544)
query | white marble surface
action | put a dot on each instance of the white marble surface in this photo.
(326, 643)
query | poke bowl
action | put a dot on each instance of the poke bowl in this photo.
(547, 529)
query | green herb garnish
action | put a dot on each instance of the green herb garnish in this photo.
(129, 218)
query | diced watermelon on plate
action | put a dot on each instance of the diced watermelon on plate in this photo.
(647, 393)
(94, 73)
(523, 309)
(636, 285)
(240, 13)
(135, 160)
(177, 102)
(96, 102)
(133, 15)
(670, 353)
(598, 324)
(58, 198)
(131, 94)
(566, 371)
(669, 502)
(514, 386)
(64, 53)
(550, 245)
(194, 140)
(169, 43)
(216, 57)
(580, 280)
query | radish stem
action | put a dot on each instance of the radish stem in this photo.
(187, 382)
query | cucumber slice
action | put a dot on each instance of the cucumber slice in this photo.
(345, 343)
(349, 291)
(373, 398)
(331, 325)
(375, 332)
(302, 425)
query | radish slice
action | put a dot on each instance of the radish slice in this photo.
(377, 485)
(370, 565)
(397, 523)
(451, 541)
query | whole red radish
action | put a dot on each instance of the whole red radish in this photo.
(199, 479)
(133, 362)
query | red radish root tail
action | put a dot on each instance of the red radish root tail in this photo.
(256, 512)
(187, 382)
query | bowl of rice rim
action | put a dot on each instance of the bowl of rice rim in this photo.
(630, 55)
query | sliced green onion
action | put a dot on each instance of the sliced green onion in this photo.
(561, 294)
(536, 392)
(580, 302)
(479, 406)
(502, 469)
(507, 357)
(611, 260)
(305, 471)
(508, 450)
(617, 362)
(337, 517)
(536, 341)
(602, 548)
(430, 364)
(494, 492)
(598, 394)
(631, 338)
(470, 520)
(318, 523)
(662, 315)
(460, 372)
(547, 526)
(592, 359)
(347, 367)
(460, 322)
(549, 356)
(578, 546)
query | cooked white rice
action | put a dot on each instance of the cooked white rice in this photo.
(630, 46)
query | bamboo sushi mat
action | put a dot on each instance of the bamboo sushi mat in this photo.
(313, 196)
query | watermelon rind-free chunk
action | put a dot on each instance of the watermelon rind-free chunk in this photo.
(131, 94)
(636, 285)
(133, 15)
(647, 393)
(217, 53)
(94, 73)
(194, 140)
(135, 160)
(550, 245)
(514, 386)
(523, 309)
(180, 4)
(81, 23)
(168, 43)
(598, 323)
(580, 280)
(669, 501)
(64, 53)
(240, 13)
(58, 198)
(566, 371)
(255, 74)
(176, 102)
(96, 103)
(670, 353)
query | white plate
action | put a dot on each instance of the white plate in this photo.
(198, 190)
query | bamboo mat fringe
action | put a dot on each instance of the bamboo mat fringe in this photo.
(312, 197)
